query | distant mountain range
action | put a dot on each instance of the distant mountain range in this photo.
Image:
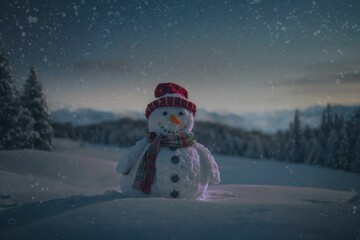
(82, 116)
(266, 122)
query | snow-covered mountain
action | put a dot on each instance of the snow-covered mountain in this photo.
(272, 121)
(87, 116)
(82, 116)
(266, 122)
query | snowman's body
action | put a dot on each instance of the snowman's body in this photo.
(179, 173)
(182, 172)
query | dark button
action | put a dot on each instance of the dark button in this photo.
(152, 136)
(174, 194)
(173, 148)
(175, 178)
(175, 159)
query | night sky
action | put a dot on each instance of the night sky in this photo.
(235, 56)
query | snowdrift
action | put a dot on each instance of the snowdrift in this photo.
(257, 200)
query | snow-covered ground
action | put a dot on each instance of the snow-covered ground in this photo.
(256, 200)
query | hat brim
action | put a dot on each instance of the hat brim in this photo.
(170, 102)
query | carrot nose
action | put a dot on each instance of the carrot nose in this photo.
(175, 119)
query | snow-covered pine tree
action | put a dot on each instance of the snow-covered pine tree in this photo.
(255, 149)
(327, 120)
(353, 132)
(332, 148)
(325, 128)
(278, 146)
(309, 140)
(34, 100)
(313, 151)
(24, 133)
(8, 108)
(356, 153)
(295, 145)
(343, 150)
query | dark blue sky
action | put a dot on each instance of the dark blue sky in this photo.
(233, 56)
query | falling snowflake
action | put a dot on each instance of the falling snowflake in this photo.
(32, 19)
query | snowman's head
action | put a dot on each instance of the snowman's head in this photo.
(167, 120)
(171, 112)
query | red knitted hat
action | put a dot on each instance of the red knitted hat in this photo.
(170, 101)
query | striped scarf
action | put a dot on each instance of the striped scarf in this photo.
(146, 171)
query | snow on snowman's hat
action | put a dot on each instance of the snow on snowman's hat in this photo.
(170, 95)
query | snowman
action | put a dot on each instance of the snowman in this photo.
(168, 162)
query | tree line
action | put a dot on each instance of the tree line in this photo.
(335, 143)
(25, 121)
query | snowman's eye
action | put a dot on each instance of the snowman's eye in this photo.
(181, 113)
(165, 113)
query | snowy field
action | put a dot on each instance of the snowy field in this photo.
(255, 200)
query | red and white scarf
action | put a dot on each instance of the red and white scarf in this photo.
(146, 171)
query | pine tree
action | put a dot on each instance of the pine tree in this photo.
(295, 146)
(278, 146)
(24, 133)
(8, 109)
(353, 131)
(332, 148)
(327, 120)
(33, 99)
(325, 129)
(356, 161)
(314, 151)
(255, 148)
(343, 150)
